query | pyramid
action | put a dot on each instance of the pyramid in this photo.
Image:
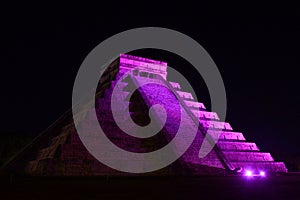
(58, 151)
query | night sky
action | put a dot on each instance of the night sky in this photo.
(257, 57)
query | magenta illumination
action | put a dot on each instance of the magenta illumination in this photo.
(248, 173)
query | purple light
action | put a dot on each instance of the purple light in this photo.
(262, 173)
(248, 173)
(130, 57)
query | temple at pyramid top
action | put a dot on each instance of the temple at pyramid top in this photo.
(141, 59)
(146, 66)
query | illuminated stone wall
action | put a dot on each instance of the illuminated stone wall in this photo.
(65, 154)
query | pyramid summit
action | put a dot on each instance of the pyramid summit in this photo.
(59, 150)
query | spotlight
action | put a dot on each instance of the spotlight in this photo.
(248, 173)
(262, 173)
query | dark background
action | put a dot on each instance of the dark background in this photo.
(257, 54)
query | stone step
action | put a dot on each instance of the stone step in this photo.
(205, 115)
(227, 135)
(147, 80)
(215, 124)
(32, 166)
(60, 139)
(194, 105)
(120, 84)
(239, 146)
(185, 95)
(261, 166)
(47, 152)
(235, 156)
(118, 89)
(175, 85)
(122, 95)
